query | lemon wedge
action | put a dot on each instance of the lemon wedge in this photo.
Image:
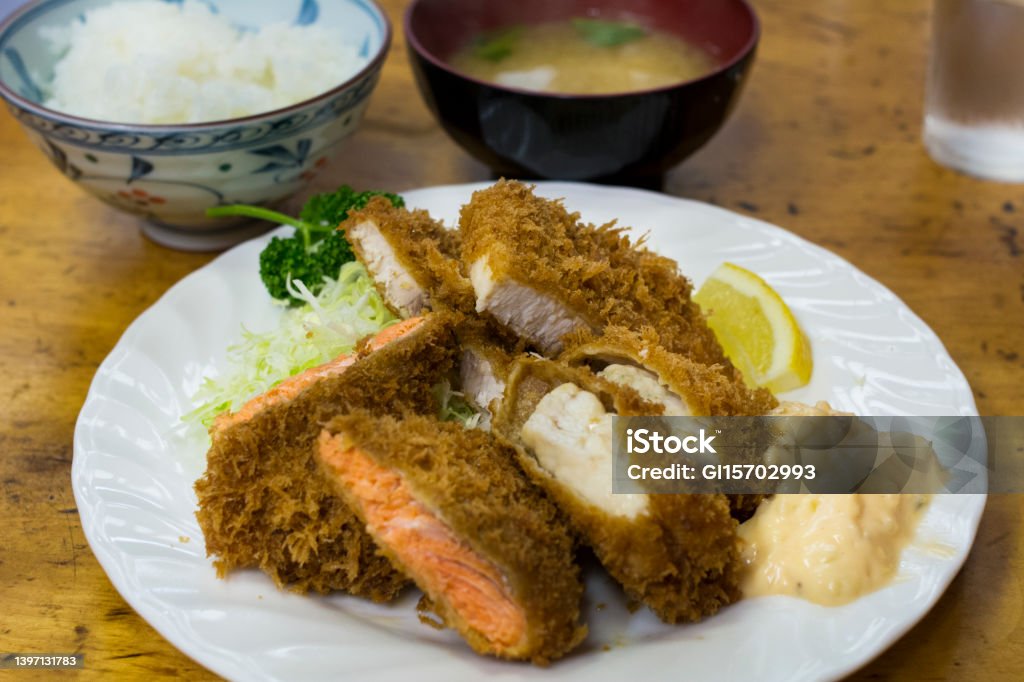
(756, 328)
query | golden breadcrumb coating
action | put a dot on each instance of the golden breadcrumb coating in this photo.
(470, 481)
(427, 250)
(263, 502)
(493, 341)
(707, 389)
(744, 506)
(680, 556)
(487, 351)
(596, 272)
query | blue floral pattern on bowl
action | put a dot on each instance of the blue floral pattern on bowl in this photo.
(172, 174)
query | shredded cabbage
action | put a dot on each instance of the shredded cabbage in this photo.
(324, 327)
(453, 407)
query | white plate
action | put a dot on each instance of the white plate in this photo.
(133, 473)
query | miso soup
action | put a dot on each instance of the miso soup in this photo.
(582, 56)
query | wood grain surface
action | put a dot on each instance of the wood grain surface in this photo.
(825, 143)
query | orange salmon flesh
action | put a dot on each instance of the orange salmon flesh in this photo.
(293, 386)
(442, 565)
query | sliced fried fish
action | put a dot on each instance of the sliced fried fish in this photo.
(487, 351)
(262, 500)
(451, 510)
(544, 274)
(677, 554)
(412, 258)
(682, 386)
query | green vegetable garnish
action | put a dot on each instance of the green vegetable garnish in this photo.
(608, 33)
(330, 210)
(288, 260)
(325, 326)
(316, 252)
(497, 45)
(453, 407)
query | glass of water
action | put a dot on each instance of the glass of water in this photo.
(974, 109)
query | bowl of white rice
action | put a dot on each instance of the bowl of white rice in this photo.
(166, 108)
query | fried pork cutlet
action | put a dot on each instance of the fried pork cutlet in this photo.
(544, 274)
(412, 258)
(682, 386)
(678, 554)
(262, 500)
(450, 509)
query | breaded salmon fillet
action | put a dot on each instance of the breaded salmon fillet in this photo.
(412, 258)
(544, 274)
(263, 502)
(449, 507)
(677, 554)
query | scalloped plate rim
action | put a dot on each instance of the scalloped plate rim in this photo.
(215, 658)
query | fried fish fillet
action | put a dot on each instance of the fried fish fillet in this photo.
(452, 511)
(412, 258)
(678, 554)
(263, 502)
(487, 351)
(684, 387)
(681, 386)
(544, 274)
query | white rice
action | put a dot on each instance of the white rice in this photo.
(155, 62)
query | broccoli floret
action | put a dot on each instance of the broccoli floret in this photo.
(316, 250)
(283, 260)
(282, 256)
(332, 209)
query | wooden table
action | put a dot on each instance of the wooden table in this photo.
(826, 143)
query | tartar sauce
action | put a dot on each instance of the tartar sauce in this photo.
(828, 549)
